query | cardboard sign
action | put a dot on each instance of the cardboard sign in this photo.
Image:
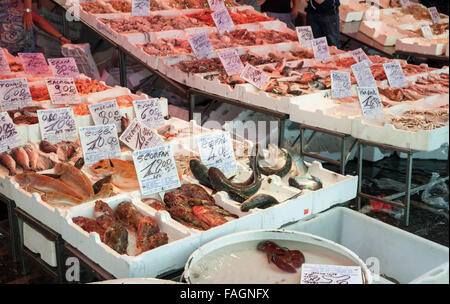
(305, 36)
(370, 102)
(216, 5)
(330, 274)
(320, 49)
(404, 3)
(138, 137)
(434, 15)
(156, 169)
(106, 113)
(149, 112)
(34, 63)
(140, 8)
(14, 94)
(4, 65)
(340, 84)
(359, 55)
(255, 76)
(223, 21)
(201, 45)
(99, 142)
(395, 75)
(426, 31)
(57, 125)
(62, 91)
(231, 62)
(363, 74)
(9, 136)
(217, 151)
(64, 67)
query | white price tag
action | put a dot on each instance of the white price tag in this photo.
(14, 94)
(9, 136)
(57, 125)
(34, 63)
(426, 31)
(201, 45)
(404, 3)
(370, 102)
(330, 274)
(217, 151)
(99, 142)
(64, 67)
(216, 5)
(255, 76)
(340, 84)
(363, 74)
(321, 50)
(434, 15)
(140, 8)
(138, 136)
(359, 55)
(4, 65)
(223, 21)
(62, 91)
(305, 36)
(395, 75)
(149, 112)
(231, 61)
(106, 113)
(156, 169)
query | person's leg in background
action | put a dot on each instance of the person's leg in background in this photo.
(331, 29)
(313, 22)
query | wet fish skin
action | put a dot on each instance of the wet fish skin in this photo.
(9, 162)
(261, 201)
(21, 157)
(305, 183)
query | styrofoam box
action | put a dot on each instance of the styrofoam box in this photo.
(439, 154)
(422, 46)
(397, 251)
(370, 29)
(37, 243)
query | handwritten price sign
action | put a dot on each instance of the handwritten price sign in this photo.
(62, 91)
(138, 137)
(99, 142)
(156, 169)
(201, 45)
(4, 66)
(216, 5)
(305, 36)
(340, 84)
(9, 137)
(34, 63)
(57, 125)
(404, 3)
(14, 94)
(223, 20)
(106, 113)
(64, 67)
(434, 15)
(255, 76)
(320, 49)
(363, 74)
(426, 31)
(217, 151)
(395, 75)
(140, 8)
(359, 55)
(370, 101)
(330, 274)
(149, 112)
(231, 62)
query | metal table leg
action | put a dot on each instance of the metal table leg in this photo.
(360, 172)
(191, 106)
(281, 132)
(407, 199)
(123, 68)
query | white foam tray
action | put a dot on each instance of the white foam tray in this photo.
(422, 46)
(37, 243)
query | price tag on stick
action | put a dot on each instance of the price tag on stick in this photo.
(305, 36)
(320, 49)
(106, 113)
(404, 3)
(156, 169)
(149, 112)
(217, 151)
(426, 31)
(64, 67)
(62, 91)
(4, 65)
(14, 94)
(255, 76)
(216, 5)
(340, 84)
(57, 125)
(201, 45)
(140, 8)
(138, 136)
(99, 142)
(330, 274)
(434, 15)
(231, 61)
(34, 63)
(363, 74)
(223, 20)
(370, 102)
(9, 136)
(395, 75)
(359, 55)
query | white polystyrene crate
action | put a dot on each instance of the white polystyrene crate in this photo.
(422, 46)
(6, 186)
(396, 250)
(346, 16)
(439, 154)
(370, 29)
(39, 244)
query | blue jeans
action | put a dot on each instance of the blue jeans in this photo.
(325, 26)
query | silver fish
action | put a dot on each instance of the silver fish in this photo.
(305, 183)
